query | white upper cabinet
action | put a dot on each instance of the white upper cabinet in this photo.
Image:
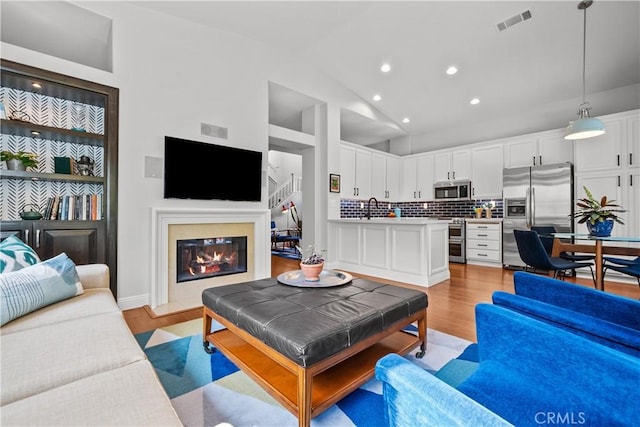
(355, 168)
(486, 182)
(543, 148)
(384, 176)
(633, 143)
(604, 152)
(417, 177)
(452, 165)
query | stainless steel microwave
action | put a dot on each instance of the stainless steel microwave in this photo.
(452, 190)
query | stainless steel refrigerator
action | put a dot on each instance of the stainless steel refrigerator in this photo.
(535, 196)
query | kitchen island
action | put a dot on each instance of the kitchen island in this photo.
(411, 250)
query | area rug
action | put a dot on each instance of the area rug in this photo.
(289, 253)
(203, 396)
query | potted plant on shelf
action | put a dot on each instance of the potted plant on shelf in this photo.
(18, 161)
(311, 263)
(599, 215)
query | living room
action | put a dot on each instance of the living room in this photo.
(173, 76)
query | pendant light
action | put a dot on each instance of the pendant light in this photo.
(585, 126)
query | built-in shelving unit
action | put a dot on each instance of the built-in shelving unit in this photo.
(45, 130)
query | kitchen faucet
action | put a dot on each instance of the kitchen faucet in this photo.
(369, 206)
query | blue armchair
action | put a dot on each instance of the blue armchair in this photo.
(606, 318)
(529, 373)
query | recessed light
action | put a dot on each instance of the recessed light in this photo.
(36, 85)
(377, 97)
(385, 68)
(406, 120)
(452, 70)
(35, 133)
(474, 101)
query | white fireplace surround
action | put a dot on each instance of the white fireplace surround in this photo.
(161, 218)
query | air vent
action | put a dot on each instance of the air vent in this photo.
(213, 130)
(514, 20)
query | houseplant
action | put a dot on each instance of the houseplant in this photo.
(311, 263)
(599, 215)
(18, 161)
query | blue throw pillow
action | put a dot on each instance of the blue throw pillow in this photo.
(36, 286)
(16, 255)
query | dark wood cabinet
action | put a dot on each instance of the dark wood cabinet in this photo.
(48, 96)
(82, 241)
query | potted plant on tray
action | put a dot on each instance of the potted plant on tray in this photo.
(599, 215)
(18, 161)
(311, 263)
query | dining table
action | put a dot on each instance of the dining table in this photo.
(600, 246)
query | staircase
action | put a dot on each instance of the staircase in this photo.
(285, 190)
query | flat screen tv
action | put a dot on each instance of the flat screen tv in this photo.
(201, 171)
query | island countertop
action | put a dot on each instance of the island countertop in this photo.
(390, 221)
(407, 249)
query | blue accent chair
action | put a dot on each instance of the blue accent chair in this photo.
(624, 266)
(606, 318)
(530, 373)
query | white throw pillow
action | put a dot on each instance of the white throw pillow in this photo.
(36, 286)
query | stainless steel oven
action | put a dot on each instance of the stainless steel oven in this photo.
(457, 238)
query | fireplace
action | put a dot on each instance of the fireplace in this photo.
(210, 257)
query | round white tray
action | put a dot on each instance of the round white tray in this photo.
(328, 278)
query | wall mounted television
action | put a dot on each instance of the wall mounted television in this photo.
(202, 171)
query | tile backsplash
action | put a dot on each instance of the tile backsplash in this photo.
(350, 208)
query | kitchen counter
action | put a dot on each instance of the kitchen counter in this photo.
(411, 250)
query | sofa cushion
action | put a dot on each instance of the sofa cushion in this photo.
(50, 356)
(16, 255)
(127, 396)
(37, 286)
(92, 302)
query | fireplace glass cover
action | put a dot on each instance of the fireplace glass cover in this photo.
(212, 257)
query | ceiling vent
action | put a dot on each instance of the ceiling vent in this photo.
(514, 20)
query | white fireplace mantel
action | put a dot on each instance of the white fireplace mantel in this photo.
(161, 218)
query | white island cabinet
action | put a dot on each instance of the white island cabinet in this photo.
(410, 250)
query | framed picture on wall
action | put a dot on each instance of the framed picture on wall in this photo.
(334, 183)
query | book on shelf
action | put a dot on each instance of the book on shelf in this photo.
(79, 207)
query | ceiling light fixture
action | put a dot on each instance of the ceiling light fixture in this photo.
(452, 70)
(377, 97)
(385, 68)
(474, 101)
(36, 85)
(406, 120)
(585, 126)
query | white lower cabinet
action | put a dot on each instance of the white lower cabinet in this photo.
(484, 243)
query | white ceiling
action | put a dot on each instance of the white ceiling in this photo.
(528, 77)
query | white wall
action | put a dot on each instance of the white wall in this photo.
(172, 76)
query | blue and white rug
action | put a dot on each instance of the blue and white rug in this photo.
(203, 396)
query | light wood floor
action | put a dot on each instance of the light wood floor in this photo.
(451, 303)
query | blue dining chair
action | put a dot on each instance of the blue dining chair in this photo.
(534, 255)
(629, 267)
(546, 236)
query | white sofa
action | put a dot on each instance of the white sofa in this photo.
(76, 362)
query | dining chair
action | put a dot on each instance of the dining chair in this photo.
(626, 266)
(621, 261)
(533, 254)
(546, 236)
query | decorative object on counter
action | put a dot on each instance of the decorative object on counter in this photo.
(398, 212)
(311, 264)
(30, 214)
(334, 183)
(3, 112)
(478, 211)
(488, 208)
(78, 117)
(19, 161)
(85, 166)
(64, 165)
(599, 215)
